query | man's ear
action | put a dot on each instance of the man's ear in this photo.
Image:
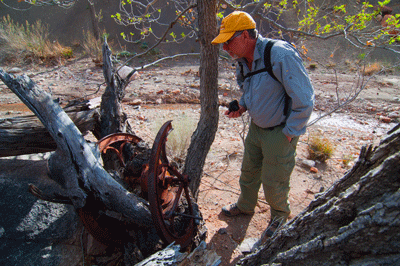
(246, 34)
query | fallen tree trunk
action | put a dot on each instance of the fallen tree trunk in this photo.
(111, 213)
(27, 135)
(74, 161)
(355, 222)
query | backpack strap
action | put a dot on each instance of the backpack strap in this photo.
(267, 62)
(268, 68)
(267, 58)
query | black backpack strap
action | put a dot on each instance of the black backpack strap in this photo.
(268, 68)
(267, 58)
(267, 62)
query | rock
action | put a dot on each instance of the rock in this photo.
(222, 231)
(135, 102)
(394, 115)
(248, 245)
(313, 170)
(33, 231)
(15, 70)
(176, 92)
(307, 163)
(385, 119)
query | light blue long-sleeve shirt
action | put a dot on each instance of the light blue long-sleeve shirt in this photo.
(264, 97)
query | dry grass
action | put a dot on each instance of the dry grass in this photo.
(92, 47)
(179, 139)
(319, 148)
(371, 69)
(30, 43)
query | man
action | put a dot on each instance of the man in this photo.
(279, 111)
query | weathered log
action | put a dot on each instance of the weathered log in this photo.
(26, 135)
(112, 119)
(171, 255)
(74, 164)
(355, 222)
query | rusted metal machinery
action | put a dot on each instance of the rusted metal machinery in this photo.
(162, 185)
(174, 213)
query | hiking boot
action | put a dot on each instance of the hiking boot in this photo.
(233, 210)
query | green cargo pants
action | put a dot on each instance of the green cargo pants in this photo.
(269, 159)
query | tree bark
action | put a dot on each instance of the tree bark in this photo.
(355, 222)
(204, 134)
(26, 135)
(112, 119)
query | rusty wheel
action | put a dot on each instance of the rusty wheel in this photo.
(111, 142)
(169, 197)
(103, 228)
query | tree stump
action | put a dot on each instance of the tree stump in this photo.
(355, 222)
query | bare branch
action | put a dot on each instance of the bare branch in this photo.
(63, 4)
(351, 98)
(165, 33)
(165, 58)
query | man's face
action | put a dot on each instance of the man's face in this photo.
(236, 46)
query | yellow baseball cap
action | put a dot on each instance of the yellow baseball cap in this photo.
(235, 21)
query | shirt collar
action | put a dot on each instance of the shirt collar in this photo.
(259, 48)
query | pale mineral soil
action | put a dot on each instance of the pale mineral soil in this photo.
(170, 91)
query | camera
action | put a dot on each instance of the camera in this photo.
(233, 106)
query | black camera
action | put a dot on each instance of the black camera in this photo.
(233, 106)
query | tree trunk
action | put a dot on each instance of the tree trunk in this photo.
(95, 24)
(204, 134)
(26, 135)
(112, 119)
(355, 222)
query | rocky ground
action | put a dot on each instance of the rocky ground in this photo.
(170, 91)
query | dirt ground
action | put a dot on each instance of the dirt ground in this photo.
(171, 90)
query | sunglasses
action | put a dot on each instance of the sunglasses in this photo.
(233, 37)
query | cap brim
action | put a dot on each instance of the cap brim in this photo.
(223, 37)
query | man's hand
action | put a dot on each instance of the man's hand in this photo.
(235, 114)
(288, 138)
